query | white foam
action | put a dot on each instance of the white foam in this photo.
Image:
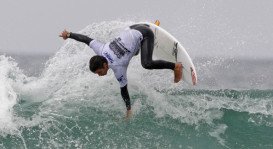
(12, 81)
(8, 98)
(67, 79)
(220, 129)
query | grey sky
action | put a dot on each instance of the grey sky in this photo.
(204, 27)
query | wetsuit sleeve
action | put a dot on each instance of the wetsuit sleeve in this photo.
(126, 97)
(80, 38)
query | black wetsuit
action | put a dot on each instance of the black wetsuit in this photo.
(147, 46)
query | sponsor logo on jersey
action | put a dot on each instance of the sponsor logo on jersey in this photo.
(120, 78)
(118, 48)
(175, 50)
(108, 56)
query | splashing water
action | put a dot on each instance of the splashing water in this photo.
(69, 107)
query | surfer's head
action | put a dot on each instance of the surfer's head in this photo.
(98, 65)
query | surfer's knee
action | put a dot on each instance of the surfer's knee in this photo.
(146, 64)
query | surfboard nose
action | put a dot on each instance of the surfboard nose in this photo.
(157, 22)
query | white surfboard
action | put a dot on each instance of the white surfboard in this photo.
(168, 48)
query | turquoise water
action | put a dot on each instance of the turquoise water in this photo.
(63, 105)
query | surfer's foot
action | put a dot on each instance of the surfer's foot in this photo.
(128, 114)
(177, 72)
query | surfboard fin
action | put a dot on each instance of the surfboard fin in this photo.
(157, 22)
(193, 77)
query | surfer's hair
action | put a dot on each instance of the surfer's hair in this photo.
(96, 62)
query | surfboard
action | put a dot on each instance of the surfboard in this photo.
(167, 47)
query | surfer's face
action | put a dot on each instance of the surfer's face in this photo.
(102, 71)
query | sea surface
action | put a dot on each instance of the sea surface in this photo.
(54, 101)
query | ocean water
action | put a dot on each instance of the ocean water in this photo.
(56, 102)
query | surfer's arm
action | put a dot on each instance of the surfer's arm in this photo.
(79, 37)
(120, 74)
(126, 97)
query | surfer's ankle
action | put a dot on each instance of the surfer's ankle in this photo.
(178, 65)
(177, 72)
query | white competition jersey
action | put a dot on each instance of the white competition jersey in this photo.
(119, 52)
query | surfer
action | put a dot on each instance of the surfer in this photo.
(118, 53)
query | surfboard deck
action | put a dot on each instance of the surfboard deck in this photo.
(167, 47)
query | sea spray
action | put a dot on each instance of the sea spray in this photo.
(67, 106)
(8, 98)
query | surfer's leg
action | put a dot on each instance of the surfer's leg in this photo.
(147, 47)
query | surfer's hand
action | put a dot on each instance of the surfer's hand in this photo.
(128, 114)
(65, 34)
